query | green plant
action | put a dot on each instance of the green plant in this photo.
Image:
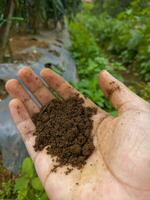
(142, 90)
(90, 61)
(125, 36)
(26, 186)
(105, 42)
(7, 190)
(112, 7)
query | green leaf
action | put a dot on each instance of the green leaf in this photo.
(36, 184)
(44, 197)
(27, 167)
(22, 194)
(21, 183)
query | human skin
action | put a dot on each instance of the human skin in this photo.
(118, 169)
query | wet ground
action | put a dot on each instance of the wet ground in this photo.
(46, 48)
(18, 44)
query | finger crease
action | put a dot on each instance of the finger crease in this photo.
(131, 106)
(102, 121)
(46, 177)
(37, 90)
(35, 158)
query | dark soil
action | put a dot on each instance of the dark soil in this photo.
(64, 127)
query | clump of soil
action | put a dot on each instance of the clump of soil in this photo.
(64, 127)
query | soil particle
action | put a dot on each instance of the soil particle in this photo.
(112, 90)
(112, 82)
(64, 128)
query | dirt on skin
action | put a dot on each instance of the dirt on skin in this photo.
(64, 128)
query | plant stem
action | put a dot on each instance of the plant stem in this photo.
(7, 30)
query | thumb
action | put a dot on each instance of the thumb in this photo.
(121, 97)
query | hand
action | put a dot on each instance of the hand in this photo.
(118, 169)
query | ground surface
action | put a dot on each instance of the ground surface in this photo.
(19, 43)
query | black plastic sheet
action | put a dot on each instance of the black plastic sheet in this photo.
(11, 145)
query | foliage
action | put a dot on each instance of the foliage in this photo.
(37, 12)
(7, 190)
(104, 42)
(90, 61)
(26, 186)
(142, 89)
(125, 36)
(112, 7)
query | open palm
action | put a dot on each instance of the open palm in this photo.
(118, 169)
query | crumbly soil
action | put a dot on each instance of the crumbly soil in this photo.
(64, 128)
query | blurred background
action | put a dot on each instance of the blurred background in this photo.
(77, 39)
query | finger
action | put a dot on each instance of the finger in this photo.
(15, 90)
(24, 124)
(44, 163)
(57, 83)
(35, 85)
(63, 88)
(121, 97)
